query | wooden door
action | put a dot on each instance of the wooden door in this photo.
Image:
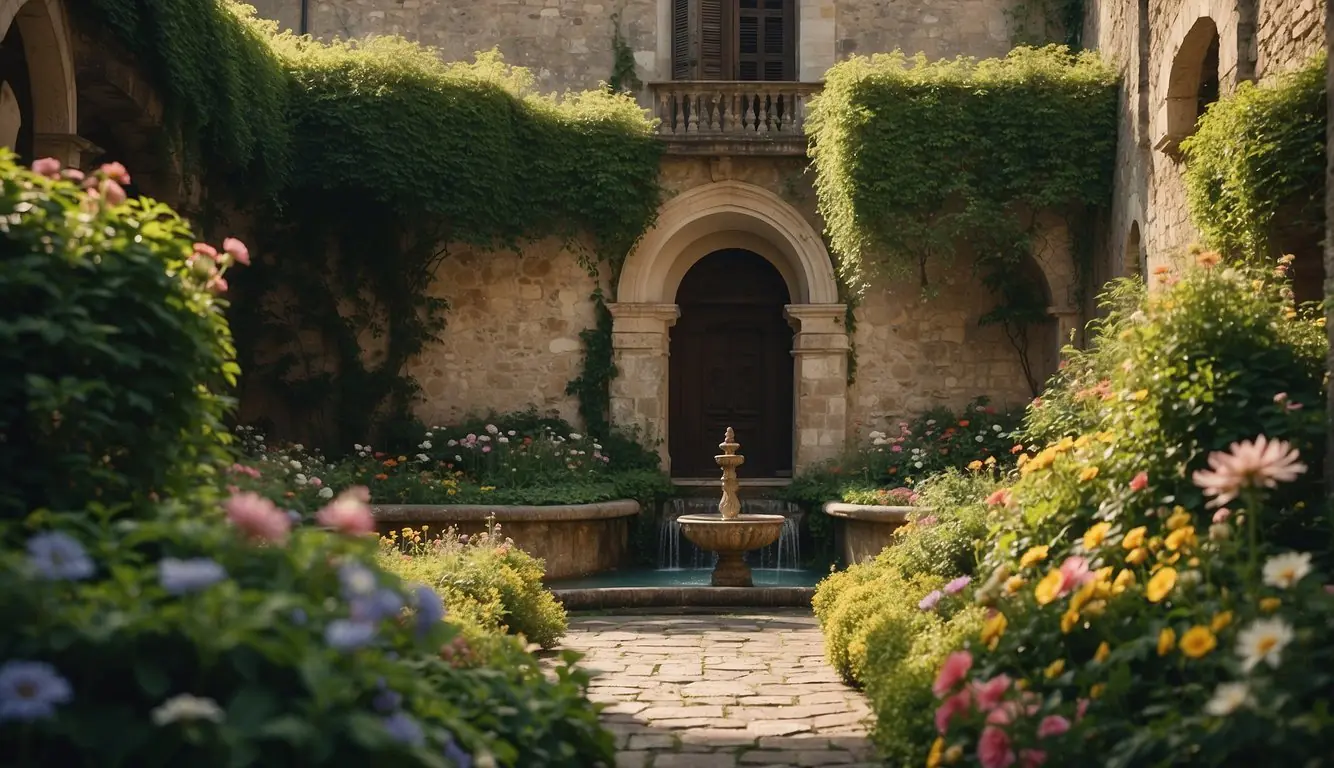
(731, 366)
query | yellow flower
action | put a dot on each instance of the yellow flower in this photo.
(1069, 620)
(1095, 608)
(1140, 395)
(1180, 517)
(1050, 586)
(1138, 557)
(1221, 621)
(1021, 461)
(953, 754)
(1066, 444)
(991, 461)
(1181, 538)
(1104, 650)
(1014, 584)
(1106, 437)
(1033, 556)
(993, 629)
(1161, 585)
(1134, 538)
(1093, 536)
(1167, 640)
(1096, 691)
(1021, 684)
(1124, 580)
(1055, 668)
(1197, 642)
(1083, 596)
(1083, 441)
(975, 465)
(1155, 544)
(1087, 473)
(1270, 604)
(937, 749)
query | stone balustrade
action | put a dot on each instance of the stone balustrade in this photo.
(710, 117)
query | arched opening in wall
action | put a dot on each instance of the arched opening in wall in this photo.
(16, 111)
(1133, 261)
(730, 365)
(1193, 84)
(1301, 235)
(1023, 313)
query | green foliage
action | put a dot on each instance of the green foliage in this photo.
(944, 539)
(116, 342)
(484, 579)
(376, 155)
(593, 384)
(1256, 153)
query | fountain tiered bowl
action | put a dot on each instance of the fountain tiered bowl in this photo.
(732, 538)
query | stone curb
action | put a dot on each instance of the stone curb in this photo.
(503, 513)
(676, 597)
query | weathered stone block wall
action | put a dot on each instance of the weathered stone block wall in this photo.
(512, 333)
(1289, 32)
(938, 28)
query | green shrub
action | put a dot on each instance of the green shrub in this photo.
(483, 578)
(944, 538)
(115, 339)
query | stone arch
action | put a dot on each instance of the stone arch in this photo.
(1132, 260)
(727, 214)
(50, 56)
(1203, 37)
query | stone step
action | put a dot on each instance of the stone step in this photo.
(750, 488)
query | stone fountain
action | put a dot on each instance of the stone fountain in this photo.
(729, 533)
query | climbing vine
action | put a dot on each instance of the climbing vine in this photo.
(374, 156)
(592, 386)
(1036, 22)
(624, 78)
(919, 162)
(1258, 152)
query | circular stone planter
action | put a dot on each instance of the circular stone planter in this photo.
(573, 539)
(864, 530)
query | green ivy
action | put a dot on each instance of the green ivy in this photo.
(1256, 152)
(374, 153)
(593, 384)
(920, 161)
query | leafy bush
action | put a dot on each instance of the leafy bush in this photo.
(944, 538)
(483, 578)
(113, 320)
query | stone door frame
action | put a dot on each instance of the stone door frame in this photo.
(711, 217)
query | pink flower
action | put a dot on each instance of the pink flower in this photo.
(348, 513)
(958, 704)
(990, 693)
(204, 249)
(217, 284)
(315, 481)
(999, 498)
(1262, 463)
(73, 174)
(1140, 482)
(1032, 758)
(1081, 707)
(954, 670)
(896, 449)
(993, 748)
(1222, 515)
(1004, 714)
(237, 250)
(113, 193)
(1054, 725)
(47, 166)
(486, 449)
(956, 586)
(116, 172)
(257, 517)
(1074, 573)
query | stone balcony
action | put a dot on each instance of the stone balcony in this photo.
(712, 117)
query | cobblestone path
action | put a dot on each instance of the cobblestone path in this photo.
(717, 691)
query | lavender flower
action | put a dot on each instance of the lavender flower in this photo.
(956, 586)
(929, 602)
(58, 557)
(429, 610)
(345, 635)
(456, 755)
(403, 728)
(357, 580)
(179, 577)
(382, 604)
(387, 701)
(31, 690)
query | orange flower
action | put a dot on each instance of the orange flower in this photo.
(963, 422)
(382, 476)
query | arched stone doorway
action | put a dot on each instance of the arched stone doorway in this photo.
(37, 46)
(730, 365)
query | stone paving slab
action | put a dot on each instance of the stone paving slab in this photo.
(739, 690)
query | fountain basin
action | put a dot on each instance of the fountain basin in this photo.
(731, 539)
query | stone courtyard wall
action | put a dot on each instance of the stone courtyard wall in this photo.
(568, 43)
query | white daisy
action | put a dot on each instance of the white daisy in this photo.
(1228, 698)
(1285, 570)
(1264, 640)
(187, 707)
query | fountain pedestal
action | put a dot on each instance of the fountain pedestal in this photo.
(729, 533)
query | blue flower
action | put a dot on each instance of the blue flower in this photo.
(383, 604)
(344, 635)
(295, 517)
(357, 580)
(387, 701)
(455, 754)
(30, 690)
(58, 557)
(298, 617)
(182, 576)
(429, 608)
(405, 729)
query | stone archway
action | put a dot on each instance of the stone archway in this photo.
(50, 62)
(703, 220)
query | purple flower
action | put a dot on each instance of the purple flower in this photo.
(31, 690)
(929, 602)
(357, 580)
(345, 635)
(59, 557)
(179, 577)
(956, 586)
(429, 609)
(403, 728)
(298, 617)
(383, 604)
(455, 754)
(387, 701)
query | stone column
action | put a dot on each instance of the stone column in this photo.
(1068, 328)
(68, 148)
(639, 348)
(820, 349)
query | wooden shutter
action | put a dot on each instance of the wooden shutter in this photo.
(702, 40)
(766, 47)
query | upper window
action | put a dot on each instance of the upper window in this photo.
(733, 40)
(1193, 83)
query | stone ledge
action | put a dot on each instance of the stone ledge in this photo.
(871, 513)
(503, 513)
(676, 597)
